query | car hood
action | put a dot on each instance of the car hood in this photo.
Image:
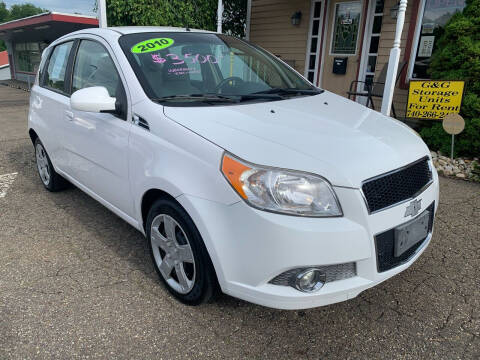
(325, 134)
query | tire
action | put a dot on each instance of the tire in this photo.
(49, 177)
(179, 254)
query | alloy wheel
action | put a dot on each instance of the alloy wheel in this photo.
(42, 164)
(172, 253)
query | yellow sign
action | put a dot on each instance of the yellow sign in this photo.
(432, 99)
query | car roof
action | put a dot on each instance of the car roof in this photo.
(115, 32)
(140, 29)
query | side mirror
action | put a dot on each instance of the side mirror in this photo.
(92, 99)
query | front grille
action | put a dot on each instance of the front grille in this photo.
(385, 246)
(396, 186)
(332, 273)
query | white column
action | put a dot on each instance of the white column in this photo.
(102, 14)
(219, 16)
(393, 61)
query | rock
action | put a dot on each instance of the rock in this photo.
(460, 176)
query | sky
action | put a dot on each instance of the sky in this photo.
(69, 6)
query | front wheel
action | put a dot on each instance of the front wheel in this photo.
(179, 254)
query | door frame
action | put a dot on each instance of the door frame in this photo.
(317, 74)
(365, 49)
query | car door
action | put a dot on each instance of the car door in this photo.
(97, 143)
(50, 100)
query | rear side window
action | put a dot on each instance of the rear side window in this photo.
(94, 67)
(57, 67)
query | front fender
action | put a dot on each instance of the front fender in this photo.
(175, 160)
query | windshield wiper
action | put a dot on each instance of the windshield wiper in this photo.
(254, 96)
(197, 97)
(211, 98)
(291, 91)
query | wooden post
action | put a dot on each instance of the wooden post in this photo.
(102, 14)
(393, 61)
(219, 16)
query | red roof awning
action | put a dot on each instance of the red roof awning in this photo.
(3, 58)
(48, 17)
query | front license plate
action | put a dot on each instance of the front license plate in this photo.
(409, 234)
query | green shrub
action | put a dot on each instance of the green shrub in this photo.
(457, 57)
(466, 144)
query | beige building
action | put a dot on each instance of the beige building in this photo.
(343, 44)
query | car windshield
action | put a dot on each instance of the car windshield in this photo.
(181, 68)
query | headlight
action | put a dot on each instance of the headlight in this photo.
(283, 191)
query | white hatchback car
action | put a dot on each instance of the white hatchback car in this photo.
(243, 176)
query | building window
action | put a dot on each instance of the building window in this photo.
(434, 17)
(345, 28)
(28, 55)
(313, 51)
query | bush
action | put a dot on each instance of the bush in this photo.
(457, 57)
(466, 144)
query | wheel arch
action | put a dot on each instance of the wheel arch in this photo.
(148, 198)
(33, 135)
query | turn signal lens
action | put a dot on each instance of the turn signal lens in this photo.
(233, 171)
(278, 190)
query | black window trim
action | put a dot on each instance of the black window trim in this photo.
(73, 59)
(67, 75)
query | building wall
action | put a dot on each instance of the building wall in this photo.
(5, 73)
(272, 29)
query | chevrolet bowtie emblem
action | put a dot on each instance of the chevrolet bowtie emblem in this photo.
(413, 208)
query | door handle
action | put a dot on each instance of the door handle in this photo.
(69, 114)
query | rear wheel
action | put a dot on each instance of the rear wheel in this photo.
(50, 179)
(179, 254)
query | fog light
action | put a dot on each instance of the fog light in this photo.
(310, 280)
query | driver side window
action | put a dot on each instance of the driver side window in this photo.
(94, 67)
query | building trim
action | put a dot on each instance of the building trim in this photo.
(48, 17)
(365, 34)
(326, 6)
(412, 47)
(249, 18)
(318, 53)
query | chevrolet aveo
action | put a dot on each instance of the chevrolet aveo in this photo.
(243, 177)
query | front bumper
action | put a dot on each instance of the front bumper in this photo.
(249, 247)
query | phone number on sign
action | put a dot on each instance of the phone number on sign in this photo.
(425, 114)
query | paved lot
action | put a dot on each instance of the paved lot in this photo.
(76, 281)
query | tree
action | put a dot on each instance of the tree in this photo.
(182, 13)
(3, 12)
(23, 10)
(457, 57)
(16, 12)
(201, 14)
(235, 17)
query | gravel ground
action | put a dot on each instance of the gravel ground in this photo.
(76, 281)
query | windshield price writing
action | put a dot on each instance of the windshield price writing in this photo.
(192, 58)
